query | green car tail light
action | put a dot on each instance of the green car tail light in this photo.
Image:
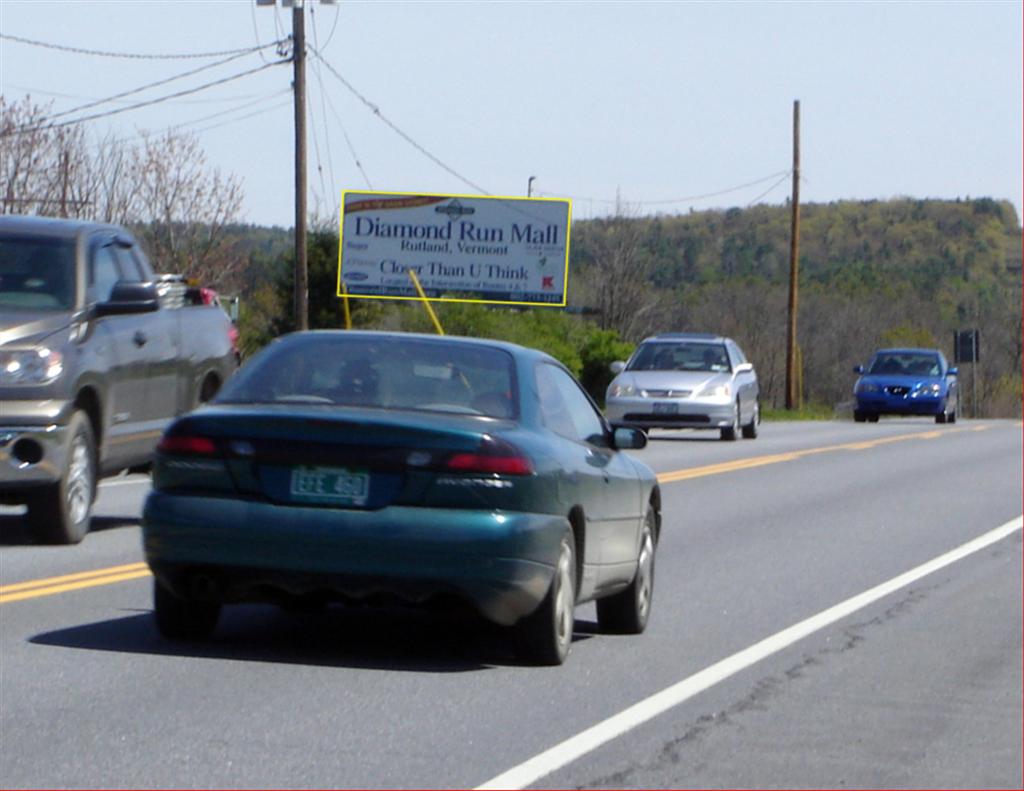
(187, 445)
(494, 456)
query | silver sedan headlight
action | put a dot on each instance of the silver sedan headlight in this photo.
(30, 366)
(621, 390)
(716, 391)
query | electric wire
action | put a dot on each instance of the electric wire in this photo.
(135, 55)
(376, 111)
(255, 29)
(79, 97)
(116, 141)
(772, 187)
(703, 196)
(137, 105)
(320, 198)
(334, 26)
(323, 116)
(348, 143)
(141, 88)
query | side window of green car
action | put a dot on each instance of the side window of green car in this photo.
(566, 408)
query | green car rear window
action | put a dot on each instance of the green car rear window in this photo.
(386, 373)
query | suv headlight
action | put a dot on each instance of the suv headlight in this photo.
(716, 391)
(621, 390)
(30, 366)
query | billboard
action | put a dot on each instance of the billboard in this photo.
(463, 248)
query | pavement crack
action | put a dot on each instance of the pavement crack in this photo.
(672, 753)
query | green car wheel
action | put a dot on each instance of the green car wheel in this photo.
(627, 612)
(545, 636)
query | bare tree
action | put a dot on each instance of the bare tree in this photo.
(40, 165)
(162, 186)
(184, 207)
(616, 282)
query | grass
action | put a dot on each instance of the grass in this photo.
(806, 412)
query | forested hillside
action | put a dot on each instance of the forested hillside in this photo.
(872, 273)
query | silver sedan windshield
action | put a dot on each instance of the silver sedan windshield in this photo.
(710, 357)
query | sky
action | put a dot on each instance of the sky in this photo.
(667, 106)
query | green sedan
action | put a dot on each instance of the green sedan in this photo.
(391, 467)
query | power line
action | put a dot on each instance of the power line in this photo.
(334, 26)
(772, 187)
(220, 100)
(323, 117)
(348, 142)
(115, 141)
(783, 173)
(376, 111)
(133, 55)
(137, 105)
(141, 88)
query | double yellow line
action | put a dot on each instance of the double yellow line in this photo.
(91, 579)
(70, 582)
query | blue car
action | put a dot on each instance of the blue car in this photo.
(907, 382)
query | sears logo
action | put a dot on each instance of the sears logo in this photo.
(356, 276)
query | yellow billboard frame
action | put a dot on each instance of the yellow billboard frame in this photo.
(344, 293)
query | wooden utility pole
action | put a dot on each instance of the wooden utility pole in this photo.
(792, 393)
(299, 84)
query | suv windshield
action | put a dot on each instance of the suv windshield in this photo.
(37, 273)
(662, 356)
(905, 364)
(387, 373)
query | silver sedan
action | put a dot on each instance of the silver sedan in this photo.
(683, 380)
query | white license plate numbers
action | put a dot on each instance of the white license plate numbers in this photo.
(335, 485)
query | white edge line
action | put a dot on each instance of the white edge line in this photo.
(589, 740)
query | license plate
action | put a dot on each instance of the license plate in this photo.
(665, 408)
(334, 485)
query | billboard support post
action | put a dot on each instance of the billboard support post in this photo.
(426, 302)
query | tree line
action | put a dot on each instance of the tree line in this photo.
(872, 273)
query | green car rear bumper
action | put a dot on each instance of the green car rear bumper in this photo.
(233, 550)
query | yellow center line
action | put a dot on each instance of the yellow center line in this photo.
(67, 578)
(50, 586)
(93, 582)
(760, 461)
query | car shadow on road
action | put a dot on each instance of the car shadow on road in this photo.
(392, 639)
(14, 529)
(703, 436)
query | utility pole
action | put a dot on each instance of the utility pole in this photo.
(792, 393)
(301, 277)
(299, 84)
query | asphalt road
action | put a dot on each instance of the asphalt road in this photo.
(915, 685)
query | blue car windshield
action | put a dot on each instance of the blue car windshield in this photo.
(382, 372)
(905, 364)
(665, 356)
(37, 273)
